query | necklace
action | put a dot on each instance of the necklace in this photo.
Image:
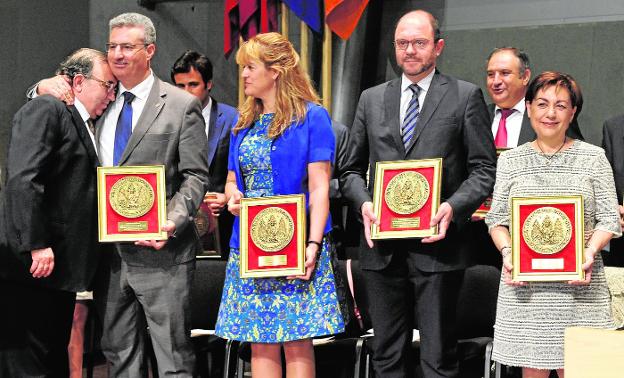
(551, 156)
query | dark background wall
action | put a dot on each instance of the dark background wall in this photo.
(34, 37)
(575, 36)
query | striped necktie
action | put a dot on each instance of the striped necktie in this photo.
(411, 116)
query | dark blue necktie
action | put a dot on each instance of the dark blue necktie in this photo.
(124, 128)
(411, 116)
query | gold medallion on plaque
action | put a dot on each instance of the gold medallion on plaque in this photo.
(547, 230)
(407, 192)
(272, 229)
(202, 222)
(131, 196)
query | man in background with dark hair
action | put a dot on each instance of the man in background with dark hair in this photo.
(508, 75)
(192, 72)
(48, 238)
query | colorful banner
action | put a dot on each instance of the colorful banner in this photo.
(246, 18)
(342, 16)
(309, 11)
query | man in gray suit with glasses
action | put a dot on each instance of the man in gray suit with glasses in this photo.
(147, 283)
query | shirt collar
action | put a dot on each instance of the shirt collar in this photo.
(424, 83)
(141, 90)
(84, 114)
(520, 107)
(207, 108)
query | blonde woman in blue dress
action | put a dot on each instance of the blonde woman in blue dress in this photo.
(282, 144)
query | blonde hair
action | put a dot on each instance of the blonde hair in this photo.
(293, 87)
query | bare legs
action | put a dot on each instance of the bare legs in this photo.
(537, 373)
(266, 360)
(76, 340)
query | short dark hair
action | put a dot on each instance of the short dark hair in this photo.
(523, 57)
(548, 79)
(193, 59)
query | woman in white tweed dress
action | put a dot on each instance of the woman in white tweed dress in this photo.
(531, 317)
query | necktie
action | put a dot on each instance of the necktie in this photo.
(411, 116)
(124, 128)
(91, 126)
(501, 134)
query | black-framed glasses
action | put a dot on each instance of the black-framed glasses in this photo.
(109, 85)
(402, 44)
(126, 48)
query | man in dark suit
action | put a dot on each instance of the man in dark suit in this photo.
(49, 237)
(613, 144)
(441, 117)
(192, 72)
(345, 227)
(508, 76)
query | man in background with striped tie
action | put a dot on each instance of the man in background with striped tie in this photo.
(423, 114)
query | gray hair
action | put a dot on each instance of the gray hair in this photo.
(135, 19)
(80, 62)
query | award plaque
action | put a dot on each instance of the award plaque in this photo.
(406, 196)
(208, 230)
(272, 236)
(131, 203)
(482, 211)
(547, 237)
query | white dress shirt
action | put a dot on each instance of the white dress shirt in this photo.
(513, 123)
(206, 114)
(107, 138)
(84, 114)
(406, 93)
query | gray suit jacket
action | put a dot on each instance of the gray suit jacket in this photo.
(171, 132)
(527, 134)
(453, 125)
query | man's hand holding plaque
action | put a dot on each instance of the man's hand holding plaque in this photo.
(406, 199)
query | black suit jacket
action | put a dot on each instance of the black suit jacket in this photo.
(527, 134)
(345, 227)
(453, 125)
(222, 119)
(613, 144)
(50, 195)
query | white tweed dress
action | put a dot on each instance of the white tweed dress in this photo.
(530, 320)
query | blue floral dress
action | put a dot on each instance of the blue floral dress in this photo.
(274, 310)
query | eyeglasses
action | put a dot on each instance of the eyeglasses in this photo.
(402, 44)
(109, 85)
(126, 48)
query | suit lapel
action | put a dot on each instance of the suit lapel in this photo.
(526, 131)
(151, 110)
(436, 92)
(83, 134)
(214, 131)
(392, 107)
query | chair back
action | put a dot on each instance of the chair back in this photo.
(206, 292)
(476, 309)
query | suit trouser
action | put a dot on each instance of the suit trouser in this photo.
(131, 298)
(400, 294)
(35, 324)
